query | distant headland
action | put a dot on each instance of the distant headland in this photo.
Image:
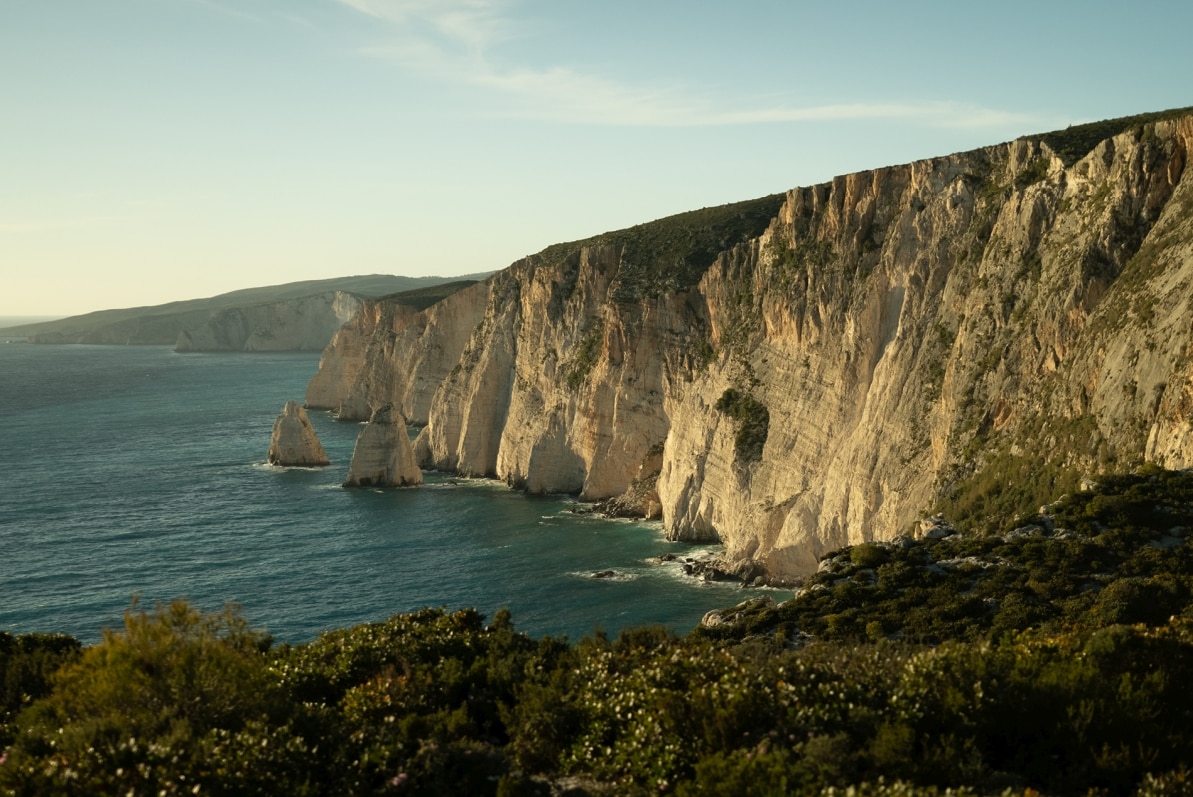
(296, 316)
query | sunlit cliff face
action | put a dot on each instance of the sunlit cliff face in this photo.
(940, 334)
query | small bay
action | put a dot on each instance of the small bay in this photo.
(138, 471)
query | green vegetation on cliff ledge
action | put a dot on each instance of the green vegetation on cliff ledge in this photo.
(1055, 657)
(585, 355)
(752, 420)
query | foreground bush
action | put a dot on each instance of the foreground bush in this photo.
(438, 702)
(27, 664)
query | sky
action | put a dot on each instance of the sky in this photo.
(156, 150)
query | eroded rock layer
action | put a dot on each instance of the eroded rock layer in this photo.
(822, 368)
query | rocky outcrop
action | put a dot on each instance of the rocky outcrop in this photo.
(821, 368)
(304, 324)
(641, 498)
(383, 456)
(294, 442)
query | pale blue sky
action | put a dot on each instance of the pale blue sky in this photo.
(153, 150)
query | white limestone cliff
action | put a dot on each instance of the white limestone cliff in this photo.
(882, 343)
(392, 353)
(383, 456)
(294, 442)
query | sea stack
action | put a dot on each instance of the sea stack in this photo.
(383, 456)
(294, 442)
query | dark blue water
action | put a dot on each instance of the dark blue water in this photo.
(137, 471)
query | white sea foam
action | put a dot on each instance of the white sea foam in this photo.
(591, 575)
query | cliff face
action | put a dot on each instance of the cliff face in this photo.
(821, 368)
(304, 324)
(391, 353)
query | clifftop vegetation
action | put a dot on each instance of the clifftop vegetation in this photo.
(672, 253)
(422, 298)
(1052, 656)
(1074, 143)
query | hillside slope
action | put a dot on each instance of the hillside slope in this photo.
(821, 368)
(294, 316)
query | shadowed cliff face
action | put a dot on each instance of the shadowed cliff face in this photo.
(822, 368)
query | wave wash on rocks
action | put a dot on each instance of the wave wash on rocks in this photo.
(821, 368)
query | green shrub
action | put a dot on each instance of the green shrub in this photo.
(177, 699)
(868, 555)
(1034, 172)
(752, 419)
(27, 665)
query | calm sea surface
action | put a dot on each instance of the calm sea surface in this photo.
(137, 471)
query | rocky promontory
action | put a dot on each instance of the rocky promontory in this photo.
(294, 442)
(383, 456)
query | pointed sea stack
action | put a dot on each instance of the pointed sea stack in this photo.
(383, 456)
(294, 442)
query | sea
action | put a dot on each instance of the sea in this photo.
(137, 474)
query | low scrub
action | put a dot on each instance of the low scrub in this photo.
(1054, 657)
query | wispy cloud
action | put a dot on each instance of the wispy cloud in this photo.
(454, 41)
(476, 24)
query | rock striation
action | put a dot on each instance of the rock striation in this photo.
(294, 442)
(383, 456)
(824, 367)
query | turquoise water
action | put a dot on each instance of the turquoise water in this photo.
(137, 471)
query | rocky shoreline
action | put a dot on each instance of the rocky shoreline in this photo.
(715, 568)
(712, 567)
